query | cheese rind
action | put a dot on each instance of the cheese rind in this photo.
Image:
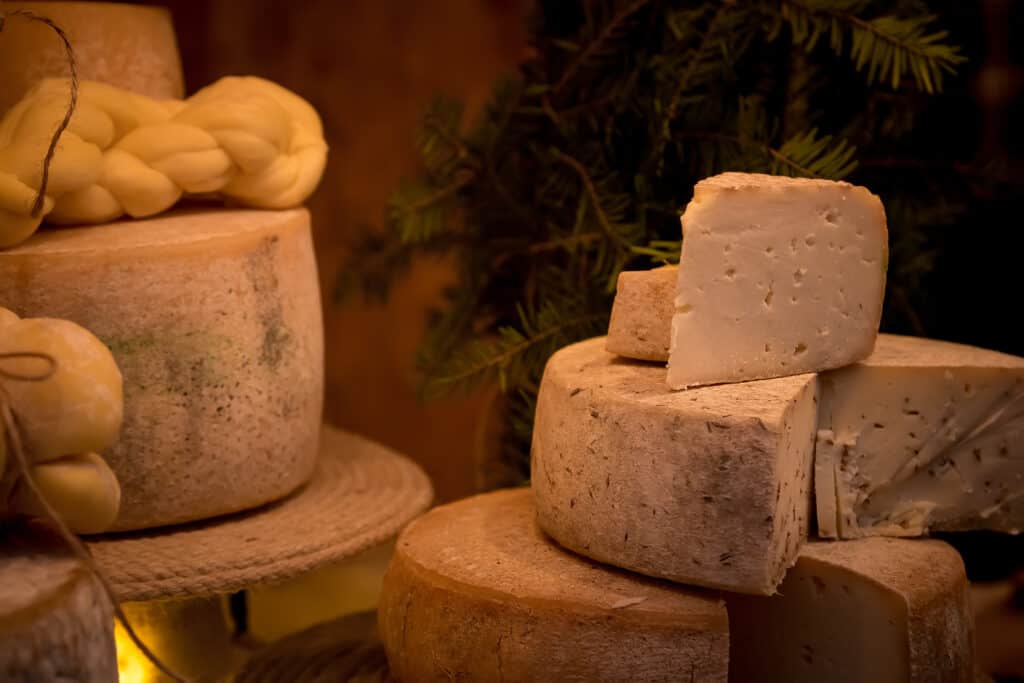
(709, 487)
(777, 277)
(475, 592)
(921, 435)
(881, 610)
(130, 46)
(214, 319)
(56, 623)
(642, 314)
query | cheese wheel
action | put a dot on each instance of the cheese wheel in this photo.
(642, 314)
(475, 592)
(56, 624)
(881, 610)
(130, 46)
(709, 487)
(214, 319)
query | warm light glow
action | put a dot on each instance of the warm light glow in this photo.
(132, 666)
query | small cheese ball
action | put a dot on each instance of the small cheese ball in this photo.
(82, 489)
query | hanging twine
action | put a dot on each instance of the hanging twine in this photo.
(37, 205)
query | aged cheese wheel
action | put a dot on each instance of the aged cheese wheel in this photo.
(709, 487)
(881, 610)
(214, 319)
(476, 592)
(130, 46)
(642, 313)
(56, 624)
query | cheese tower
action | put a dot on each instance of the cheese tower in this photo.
(130, 46)
(56, 624)
(475, 592)
(880, 610)
(709, 487)
(921, 435)
(777, 277)
(641, 314)
(214, 319)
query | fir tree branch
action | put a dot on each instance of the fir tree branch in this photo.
(595, 201)
(609, 30)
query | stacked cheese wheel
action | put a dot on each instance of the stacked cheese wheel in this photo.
(758, 493)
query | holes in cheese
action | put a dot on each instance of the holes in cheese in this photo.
(214, 319)
(58, 624)
(475, 592)
(921, 435)
(881, 610)
(803, 255)
(709, 487)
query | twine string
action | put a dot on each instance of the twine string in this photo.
(37, 205)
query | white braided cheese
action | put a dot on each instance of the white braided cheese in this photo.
(243, 138)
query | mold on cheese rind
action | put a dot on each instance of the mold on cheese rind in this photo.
(880, 609)
(808, 263)
(709, 487)
(923, 435)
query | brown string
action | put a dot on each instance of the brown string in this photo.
(12, 434)
(37, 205)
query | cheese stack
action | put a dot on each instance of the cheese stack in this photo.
(706, 474)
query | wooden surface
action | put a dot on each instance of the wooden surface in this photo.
(369, 67)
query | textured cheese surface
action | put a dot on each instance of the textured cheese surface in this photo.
(922, 435)
(777, 277)
(475, 592)
(214, 319)
(881, 610)
(56, 624)
(642, 314)
(709, 487)
(130, 46)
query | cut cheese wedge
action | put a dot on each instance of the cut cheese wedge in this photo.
(709, 487)
(56, 624)
(130, 46)
(777, 277)
(877, 610)
(642, 314)
(214, 320)
(922, 435)
(475, 592)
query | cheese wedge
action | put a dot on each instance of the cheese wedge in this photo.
(214, 320)
(56, 624)
(709, 487)
(130, 46)
(777, 277)
(475, 592)
(642, 314)
(881, 610)
(922, 435)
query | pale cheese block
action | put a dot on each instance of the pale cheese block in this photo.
(214, 320)
(922, 435)
(877, 610)
(129, 46)
(56, 623)
(642, 313)
(475, 592)
(709, 487)
(777, 276)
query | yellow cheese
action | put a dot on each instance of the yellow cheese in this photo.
(708, 487)
(642, 314)
(476, 592)
(214, 319)
(56, 624)
(130, 46)
(880, 610)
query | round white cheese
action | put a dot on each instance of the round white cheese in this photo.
(708, 487)
(130, 46)
(214, 320)
(56, 624)
(476, 592)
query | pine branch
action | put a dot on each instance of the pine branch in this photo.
(614, 25)
(804, 155)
